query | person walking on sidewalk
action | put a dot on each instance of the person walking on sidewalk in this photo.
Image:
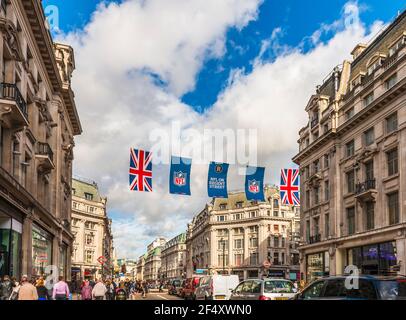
(86, 291)
(27, 291)
(61, 290)
(99, 290)
(6, 288)
(42, 291)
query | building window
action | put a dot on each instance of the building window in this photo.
(326, 161)
(223, 259)
(396, 46)
(368, 99)
(393, 165)
(254, 258)
(369, 170)
(369, 137)
(238, 216)
(369, 215)
(392, 123)
(276, 213)
(349, 114)
(327, 225)
(239, 244)
(351, 220)
(253, 242)
(276, 258)
(89, 239)
(253, 214)
(350, 181)
(392, 80)
(316, 226)
(238, 259)
(239, 231)
(307, 231)
(238, 205)
(221, 218)
(223, 206)
(316, 192)
(307, 199)
(91, 209)
(276, 203)
(89, 256)
(276, 228)
(393, 208)
(222, 245)
(326, 190)
(88, 196)
(276, 242)
(350, 148)
(316, 166)
(73, 191)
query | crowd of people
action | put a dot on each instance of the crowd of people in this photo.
(89, 289)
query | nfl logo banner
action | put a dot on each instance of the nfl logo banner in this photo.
(140, 170)
(289, 188)
(179, 179)
(254, 183)
(217, 180)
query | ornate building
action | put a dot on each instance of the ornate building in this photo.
(91, 227)
(38, 122)
(352, 155)
(173, 258)
(236, 236)
(152, 264)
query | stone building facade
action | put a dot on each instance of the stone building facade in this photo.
(152, 264)
(236, 236)
(352, 157)
(173, 258)
(91, 228)
(38, 122)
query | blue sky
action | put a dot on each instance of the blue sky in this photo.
(297, 19)
(145, 76)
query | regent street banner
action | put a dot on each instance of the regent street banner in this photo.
(217, 180)
(140, 178)
(179, 179)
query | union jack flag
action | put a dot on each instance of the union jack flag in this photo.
(289, 187)
(140, 170)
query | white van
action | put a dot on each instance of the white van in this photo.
(216, 287)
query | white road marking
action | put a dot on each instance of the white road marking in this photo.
(158, 295)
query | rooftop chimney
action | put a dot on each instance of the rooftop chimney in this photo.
(359, 48)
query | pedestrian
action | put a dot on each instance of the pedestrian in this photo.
(61, 290)
(144, 289)
(6, 288)
(99, 290)
(42, 291)
(86, 291)
(27, 291)
(110, 290)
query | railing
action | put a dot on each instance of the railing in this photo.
(314, 122)
(10, 91)
(314, 239)
(365, 186)
(44, 149)
(389, 62)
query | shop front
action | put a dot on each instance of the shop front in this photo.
(317, 265)
(10, 246)
(374, 259)
(41, 250)
(276, 273)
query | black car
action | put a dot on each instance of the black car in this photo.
(368, 288)
(174, 286)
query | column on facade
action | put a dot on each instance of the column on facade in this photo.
(246, 246)
(230, 248)
(26, 267)
(262, 243)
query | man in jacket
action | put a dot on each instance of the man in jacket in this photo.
(99, 290)
(27, 291)
(6, 287)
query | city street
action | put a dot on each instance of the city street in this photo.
(157, 296)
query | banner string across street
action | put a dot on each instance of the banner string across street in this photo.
(140, 178)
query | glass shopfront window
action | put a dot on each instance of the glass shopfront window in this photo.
(10, 246)
(63, 260)
(375, 259)
(41, 250)
(317, 265)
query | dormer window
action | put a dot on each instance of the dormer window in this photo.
(397, 45)
(375, 65)
(223, 206)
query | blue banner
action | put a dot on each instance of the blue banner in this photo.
(217, 180)
(254, 183)
(179, 179)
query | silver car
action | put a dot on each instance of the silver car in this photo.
(264, 289)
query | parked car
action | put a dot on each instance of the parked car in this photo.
(264, 289)
(216, 287)
(369, 288)
(189, 287)
(174, 286)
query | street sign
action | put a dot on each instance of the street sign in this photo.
(102, 260)
(266, 264)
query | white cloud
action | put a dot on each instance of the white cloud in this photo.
(120, 55)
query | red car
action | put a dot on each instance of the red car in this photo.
(189, 287)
